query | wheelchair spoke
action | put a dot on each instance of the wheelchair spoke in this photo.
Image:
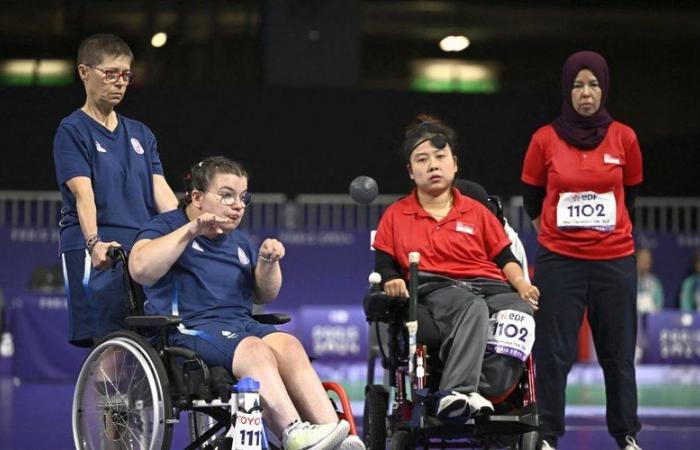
(136, 438)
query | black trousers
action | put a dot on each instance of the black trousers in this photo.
(608, 289)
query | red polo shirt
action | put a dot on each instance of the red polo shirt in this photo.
(560, 168)
(461, 245)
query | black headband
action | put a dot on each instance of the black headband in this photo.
(438, 141)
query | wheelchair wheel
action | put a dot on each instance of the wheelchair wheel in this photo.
(374, 419)
(528, 441)
(401, 440)
(122, 397)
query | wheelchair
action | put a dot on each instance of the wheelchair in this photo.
(131, 392)
(406, 417)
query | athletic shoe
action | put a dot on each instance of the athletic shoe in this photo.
(546, 446)
(631, 444)
(305, 436)
(351, 442)
(478, 404)
(451, 404)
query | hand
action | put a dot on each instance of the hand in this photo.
(209, 225)
(271, 251)
(99, 258)
(529, 293)
(396, 288)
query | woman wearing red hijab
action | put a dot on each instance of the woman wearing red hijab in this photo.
(581, 174)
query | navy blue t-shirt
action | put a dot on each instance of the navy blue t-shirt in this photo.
(212, 280)
(121, 164)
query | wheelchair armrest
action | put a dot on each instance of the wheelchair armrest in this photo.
(152, 321)
(182, 352)
(380, 307)
(272, 318)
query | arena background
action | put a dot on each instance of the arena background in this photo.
(309, 94)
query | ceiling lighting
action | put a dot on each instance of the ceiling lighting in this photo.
(159, 39)
(454, 43)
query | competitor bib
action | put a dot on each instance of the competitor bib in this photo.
(511, 333)
(587, 210)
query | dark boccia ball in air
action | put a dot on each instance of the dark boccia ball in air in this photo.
(364, 189)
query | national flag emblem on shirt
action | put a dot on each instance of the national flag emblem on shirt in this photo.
(196, 246)
(137, 146)
(465, 227)
(610, 159)
(242, 257)
(100, 148)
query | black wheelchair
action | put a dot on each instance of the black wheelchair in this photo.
(406, 418)
(131, 389)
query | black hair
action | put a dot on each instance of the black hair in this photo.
(427, 128)
(201, 174)
(94, 48)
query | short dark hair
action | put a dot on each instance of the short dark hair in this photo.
(423, 128)
(201, 174)
(94, 48)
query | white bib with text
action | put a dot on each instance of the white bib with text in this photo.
(511, 333)
(587, 210)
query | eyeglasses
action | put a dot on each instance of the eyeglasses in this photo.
(111, 76)
(230, 198)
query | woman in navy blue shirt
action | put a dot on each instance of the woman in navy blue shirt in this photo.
(196, 264)
(111, 182)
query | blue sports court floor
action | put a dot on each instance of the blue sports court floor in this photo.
(36, 416)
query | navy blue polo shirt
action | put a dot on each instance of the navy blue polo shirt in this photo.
(121, 165)
(211, 280)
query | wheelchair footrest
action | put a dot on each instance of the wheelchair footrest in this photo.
(518, 421)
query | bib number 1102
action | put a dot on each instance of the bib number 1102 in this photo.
(587, 210)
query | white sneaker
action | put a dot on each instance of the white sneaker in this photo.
(305, 436)
(478, 404)
(546, 446)
(453, 404)
(631, 444)
(351, 442)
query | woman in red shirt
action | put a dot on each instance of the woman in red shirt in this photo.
(581, 173)
(457, 237)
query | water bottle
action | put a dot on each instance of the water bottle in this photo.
(247, 431)
(248, 397)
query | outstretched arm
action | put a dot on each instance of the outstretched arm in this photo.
(152, 258)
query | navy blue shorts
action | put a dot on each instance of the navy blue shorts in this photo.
(216, 342)
(96, 303)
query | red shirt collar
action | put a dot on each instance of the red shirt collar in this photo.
(462, 203)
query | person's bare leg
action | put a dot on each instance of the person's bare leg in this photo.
(253, 358)
(300, 379)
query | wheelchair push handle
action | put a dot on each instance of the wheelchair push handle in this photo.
(116, 254)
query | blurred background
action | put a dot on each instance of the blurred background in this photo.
(309, 94)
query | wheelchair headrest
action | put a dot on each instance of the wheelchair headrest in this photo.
(477, 192)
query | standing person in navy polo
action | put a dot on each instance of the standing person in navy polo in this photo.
(581, 174)
(460, 238)
(111, 182)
